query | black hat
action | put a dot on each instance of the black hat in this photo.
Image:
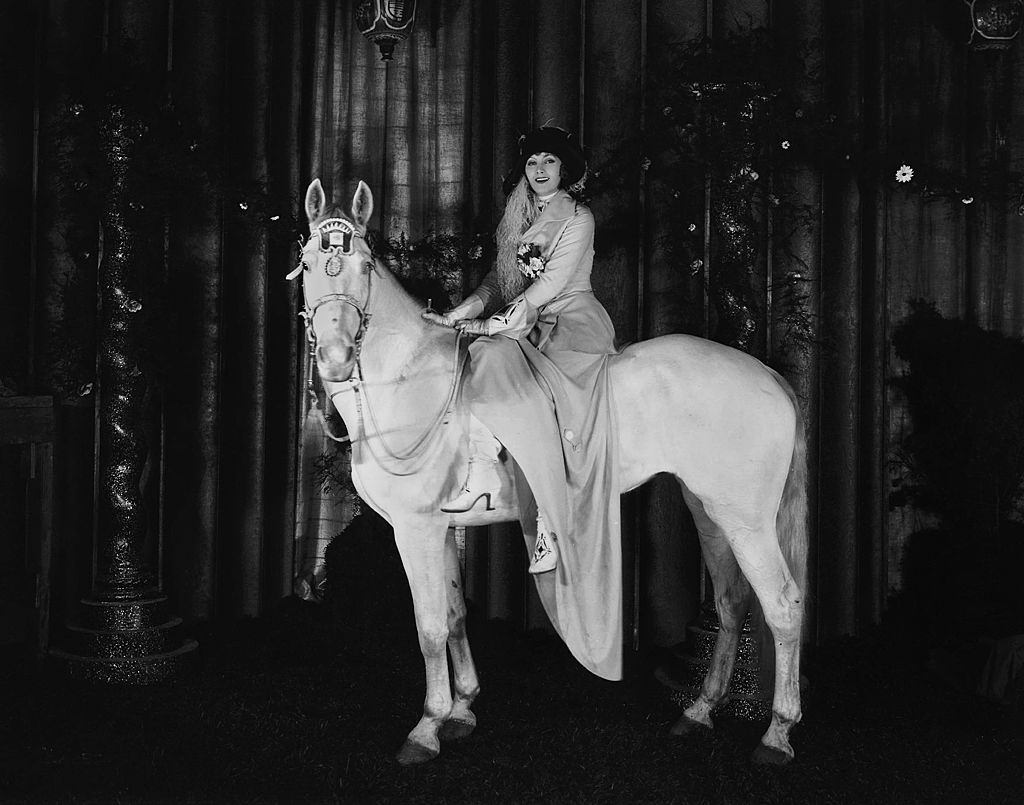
(550, 140)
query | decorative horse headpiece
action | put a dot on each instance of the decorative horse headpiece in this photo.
(336, 238)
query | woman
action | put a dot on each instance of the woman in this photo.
(538, 382)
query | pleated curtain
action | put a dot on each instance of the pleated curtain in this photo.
(282, 91)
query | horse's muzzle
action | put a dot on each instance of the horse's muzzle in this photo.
(335, 362)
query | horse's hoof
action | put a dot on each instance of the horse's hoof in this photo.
(455, 728)
(413, 753)
(769, 756)
(687, 727)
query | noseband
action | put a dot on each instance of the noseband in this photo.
(336, 238)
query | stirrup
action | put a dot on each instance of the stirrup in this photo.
(545, 553)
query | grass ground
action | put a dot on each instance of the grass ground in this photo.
(309, 703)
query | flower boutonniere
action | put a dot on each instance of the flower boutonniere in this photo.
(529, 259)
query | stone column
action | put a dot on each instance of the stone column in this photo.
(124, 631)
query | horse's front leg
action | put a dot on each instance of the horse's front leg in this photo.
(461, 721)
(422, 548)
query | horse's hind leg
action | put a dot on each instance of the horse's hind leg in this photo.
(732, 595)
(761, 560)
(461, 721)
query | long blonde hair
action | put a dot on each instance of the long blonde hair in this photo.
(520, 213)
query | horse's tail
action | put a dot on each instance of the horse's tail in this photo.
(791, 523)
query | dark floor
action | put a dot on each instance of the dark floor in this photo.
(299, 707)
(309, 704)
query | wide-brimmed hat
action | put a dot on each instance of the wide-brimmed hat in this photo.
(550, 140)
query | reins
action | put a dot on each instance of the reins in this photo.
(357, 383)
(419, 446)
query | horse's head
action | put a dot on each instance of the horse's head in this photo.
(337, 268)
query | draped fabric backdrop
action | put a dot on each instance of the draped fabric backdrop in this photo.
(281, 91)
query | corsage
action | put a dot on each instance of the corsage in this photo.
(529, 259)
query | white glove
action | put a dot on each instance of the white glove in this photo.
(474, 326)
(514, 320)
(469, 308)
(442, 319)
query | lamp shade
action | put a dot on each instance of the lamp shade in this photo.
(386, 22)
(994, 23)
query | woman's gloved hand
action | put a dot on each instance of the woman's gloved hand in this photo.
(515, 320)
(442, 319)
(474, 326)
(469, 308)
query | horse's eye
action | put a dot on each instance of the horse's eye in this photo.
(305, 266)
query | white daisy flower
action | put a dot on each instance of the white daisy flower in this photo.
(904, 174)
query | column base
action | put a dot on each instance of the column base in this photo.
(133, 641)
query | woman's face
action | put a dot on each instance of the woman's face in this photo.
(543, 172)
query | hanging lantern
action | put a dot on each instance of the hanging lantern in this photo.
(994, 23)
(386, 22)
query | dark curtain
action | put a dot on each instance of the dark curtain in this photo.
(281, 91)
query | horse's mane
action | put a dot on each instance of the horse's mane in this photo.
(422, 289)
(419, 285)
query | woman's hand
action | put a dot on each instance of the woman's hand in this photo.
(469, 308)
(474, 326)
(466, 326)
(441, 319)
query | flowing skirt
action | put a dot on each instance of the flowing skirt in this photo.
(547, 399)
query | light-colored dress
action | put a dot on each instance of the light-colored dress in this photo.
(542, 388)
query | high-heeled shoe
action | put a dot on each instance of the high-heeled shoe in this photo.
(482, 481)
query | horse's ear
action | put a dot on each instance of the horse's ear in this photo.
(316, 201)
(362, 205)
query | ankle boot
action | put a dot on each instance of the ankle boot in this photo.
(545, 549)
(482, 481)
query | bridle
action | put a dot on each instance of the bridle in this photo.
(335, 237)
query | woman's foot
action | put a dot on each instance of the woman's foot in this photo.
(481, 482)
(545, 550)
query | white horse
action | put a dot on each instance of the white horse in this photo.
(726, 426)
